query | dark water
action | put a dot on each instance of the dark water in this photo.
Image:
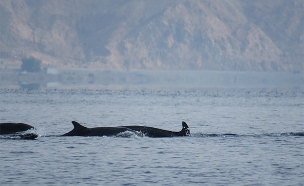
(239, 137)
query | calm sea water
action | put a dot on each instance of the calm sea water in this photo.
(262, 150)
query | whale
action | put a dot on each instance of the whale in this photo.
(80, 130)
(10, 128)
(157, 133)
(16, 129)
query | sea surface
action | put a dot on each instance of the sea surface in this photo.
(238, 137)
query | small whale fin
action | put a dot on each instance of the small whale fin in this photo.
(184, 124)
(78, 126)
(185, 130)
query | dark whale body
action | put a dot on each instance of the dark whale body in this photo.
(157, 133)
(15, 129)
(10, 128)
(80, 130)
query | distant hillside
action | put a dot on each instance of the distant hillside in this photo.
(160, 34)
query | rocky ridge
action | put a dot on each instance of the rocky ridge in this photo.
(171, 35)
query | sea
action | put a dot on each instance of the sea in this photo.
(242, 136)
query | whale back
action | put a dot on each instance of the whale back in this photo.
(80, 130)
(156, 132)
(9, 128)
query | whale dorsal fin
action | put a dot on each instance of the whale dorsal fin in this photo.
(77, 126)
(78, 129)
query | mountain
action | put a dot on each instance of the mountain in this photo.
(261, 35)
